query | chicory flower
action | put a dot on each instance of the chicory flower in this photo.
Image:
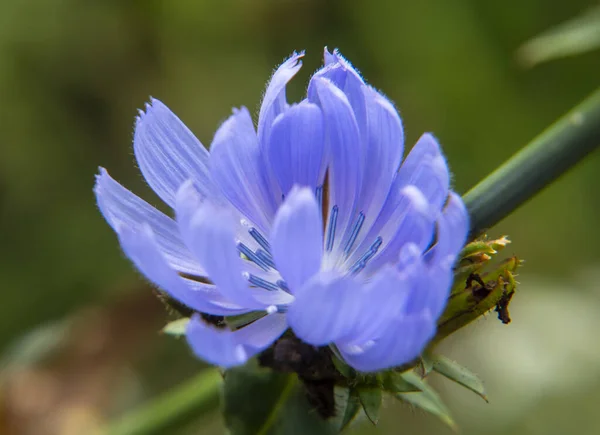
(313, 219)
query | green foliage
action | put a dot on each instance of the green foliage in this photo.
(259, 401)
(459, 374)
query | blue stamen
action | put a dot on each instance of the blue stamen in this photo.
(252, 256)
(259, 282)
(319, 195)
(355, 231)
(362, 261)
(256, 235)
(331, 228)
(265, 257)
(282, 308)
(283, 286)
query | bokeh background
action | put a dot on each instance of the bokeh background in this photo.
(79, 340)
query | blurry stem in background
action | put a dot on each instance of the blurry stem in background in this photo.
(543, 160)
(178, 406)
(547, 157)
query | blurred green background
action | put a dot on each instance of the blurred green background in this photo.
(74, 72)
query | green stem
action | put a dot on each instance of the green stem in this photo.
(543, 160)
(179, 405)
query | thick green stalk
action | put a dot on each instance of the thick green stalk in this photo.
(177, 406)
(543, 160)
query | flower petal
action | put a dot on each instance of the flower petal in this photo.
(297, 238)
(415, 226)
(453, 228)
(426, 168)
(260, 334)
(384, 297)
(210, 236)
(274, 101)
(238, 169)
(227, 348)
(384, 148)
(168, 153)
(297, 146)
(343, 75)
(189, 204)
(344, 149)
(215, 346)
(119, 206)
(411, 222)
(404, 339)
(326, 309)
(140, 246)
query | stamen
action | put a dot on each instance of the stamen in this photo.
(252, 256)
(256, 235)
(271, 309)
(282, 308)
(331, 229)
(266, 257)
(259, 282)
(355, 231)
(283, 286)
(319, 195)
(362, 261)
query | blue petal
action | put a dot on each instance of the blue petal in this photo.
(189, 203)
(238, 169)
(326, 309)
(404, 339)
(121, 207)
(426, 168)
(344, 148)
(431, 286)
(140, 246)
(168, 153)
(415, 227)
(297, 146)
(260, 334)
(297, 238)
(453, 228)
(384, 297)
(210, 236)
(274, 101)
(410, 222)
(384, 148)
(215, 346)
(227, 349)
(343, 75)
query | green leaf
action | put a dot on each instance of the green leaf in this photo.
(576, 36)
(395, 382)
(259, 401)
(458, 374)
(176, 327)
(347, 404)
(370, 399)
(426, 363)
(427, 399)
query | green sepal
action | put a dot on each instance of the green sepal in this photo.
(370, 399)
(459, 374)
(176, 327)
(427, 399)
(394, 382)
(347, 405)
(468, 302)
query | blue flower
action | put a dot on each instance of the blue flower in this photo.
(313, 219)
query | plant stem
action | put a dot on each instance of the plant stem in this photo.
(179, 405)
(542, 161)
